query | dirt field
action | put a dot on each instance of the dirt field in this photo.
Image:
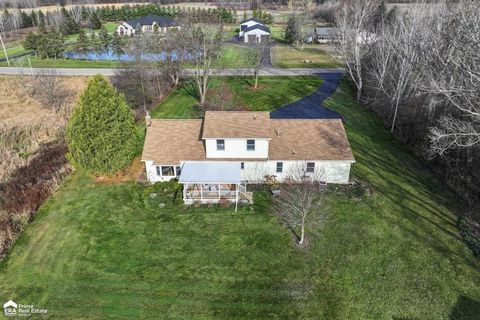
(25, 123)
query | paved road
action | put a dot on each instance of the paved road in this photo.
(218, 72)
(311, 107)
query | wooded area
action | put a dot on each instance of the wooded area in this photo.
(419, 70)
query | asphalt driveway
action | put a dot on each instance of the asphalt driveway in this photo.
(311, 107)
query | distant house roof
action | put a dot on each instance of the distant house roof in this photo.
(241, 124)
(257, 27)
(252, 19)
(171, 141)
(309, 139)
(174, 141)
(323, 31)
(162, 21)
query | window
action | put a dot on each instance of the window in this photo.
(167, 171)
(250, 145)
(220, 145)
(159, 173)
(279, 167)
(310, 166)
(242, 165)
(178, 170)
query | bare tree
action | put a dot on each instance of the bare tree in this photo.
(49, 89)
(258, 57)
(452, 76)
(201, 44)
(352, 20)
(301, 201)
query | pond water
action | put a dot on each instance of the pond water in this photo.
(110, 56)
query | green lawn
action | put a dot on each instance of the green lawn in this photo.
(286, 56)
(102, 251)
(233, 56)
(275, 92)
(18, 49)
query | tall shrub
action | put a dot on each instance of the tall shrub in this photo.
(101, 134)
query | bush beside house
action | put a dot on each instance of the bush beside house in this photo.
(101, 134)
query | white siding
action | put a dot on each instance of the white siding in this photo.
(237, 148)
(257, 32)
(331, 171)
(247, 24)
(151, 171)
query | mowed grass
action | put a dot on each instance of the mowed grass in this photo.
(273, 92)
(286, 56)
(393, 255)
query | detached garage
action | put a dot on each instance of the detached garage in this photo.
(256, 33)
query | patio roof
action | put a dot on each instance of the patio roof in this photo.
(211, 172)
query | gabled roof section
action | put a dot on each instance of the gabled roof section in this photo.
(162, 21)
(236, 124)
(309, 139)
(171, 141)
(253, 20)
(257, 27)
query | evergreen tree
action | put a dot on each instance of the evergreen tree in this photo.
(83, 43)
(291, 31)
(104, 40)
(95, 44)
(94, 22)
(41, 20)
(101, 133)
(31, 42)
(68, 24)
(117, 45)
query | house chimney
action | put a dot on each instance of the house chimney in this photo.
(148, 119)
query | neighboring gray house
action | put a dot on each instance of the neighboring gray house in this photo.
(147, 24)
(321, 35)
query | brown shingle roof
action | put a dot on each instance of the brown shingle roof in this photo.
(172, 141)
(302, 139)
(233, 124)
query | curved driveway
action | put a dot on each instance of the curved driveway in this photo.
(311, 107)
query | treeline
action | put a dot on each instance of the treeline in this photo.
(420, 72)
(112, 13)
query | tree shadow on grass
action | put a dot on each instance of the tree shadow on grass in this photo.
(191, 89)
(465, 309)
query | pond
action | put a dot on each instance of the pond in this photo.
(110, 56)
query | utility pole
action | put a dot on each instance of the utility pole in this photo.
(4, 50)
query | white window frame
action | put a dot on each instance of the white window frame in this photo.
(310, 168)
(217, 142)
(250, 145)
(279, 165)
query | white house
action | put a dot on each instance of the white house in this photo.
(253, 30)
(147, 24)
(218, 156)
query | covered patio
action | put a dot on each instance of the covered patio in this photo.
(212, 181)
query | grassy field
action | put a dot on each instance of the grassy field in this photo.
(286, 56)
(275, 92)
(393, 255)
(11, 51)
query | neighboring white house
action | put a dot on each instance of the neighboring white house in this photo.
(147, 24)
(253, 30)
(218, 156)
